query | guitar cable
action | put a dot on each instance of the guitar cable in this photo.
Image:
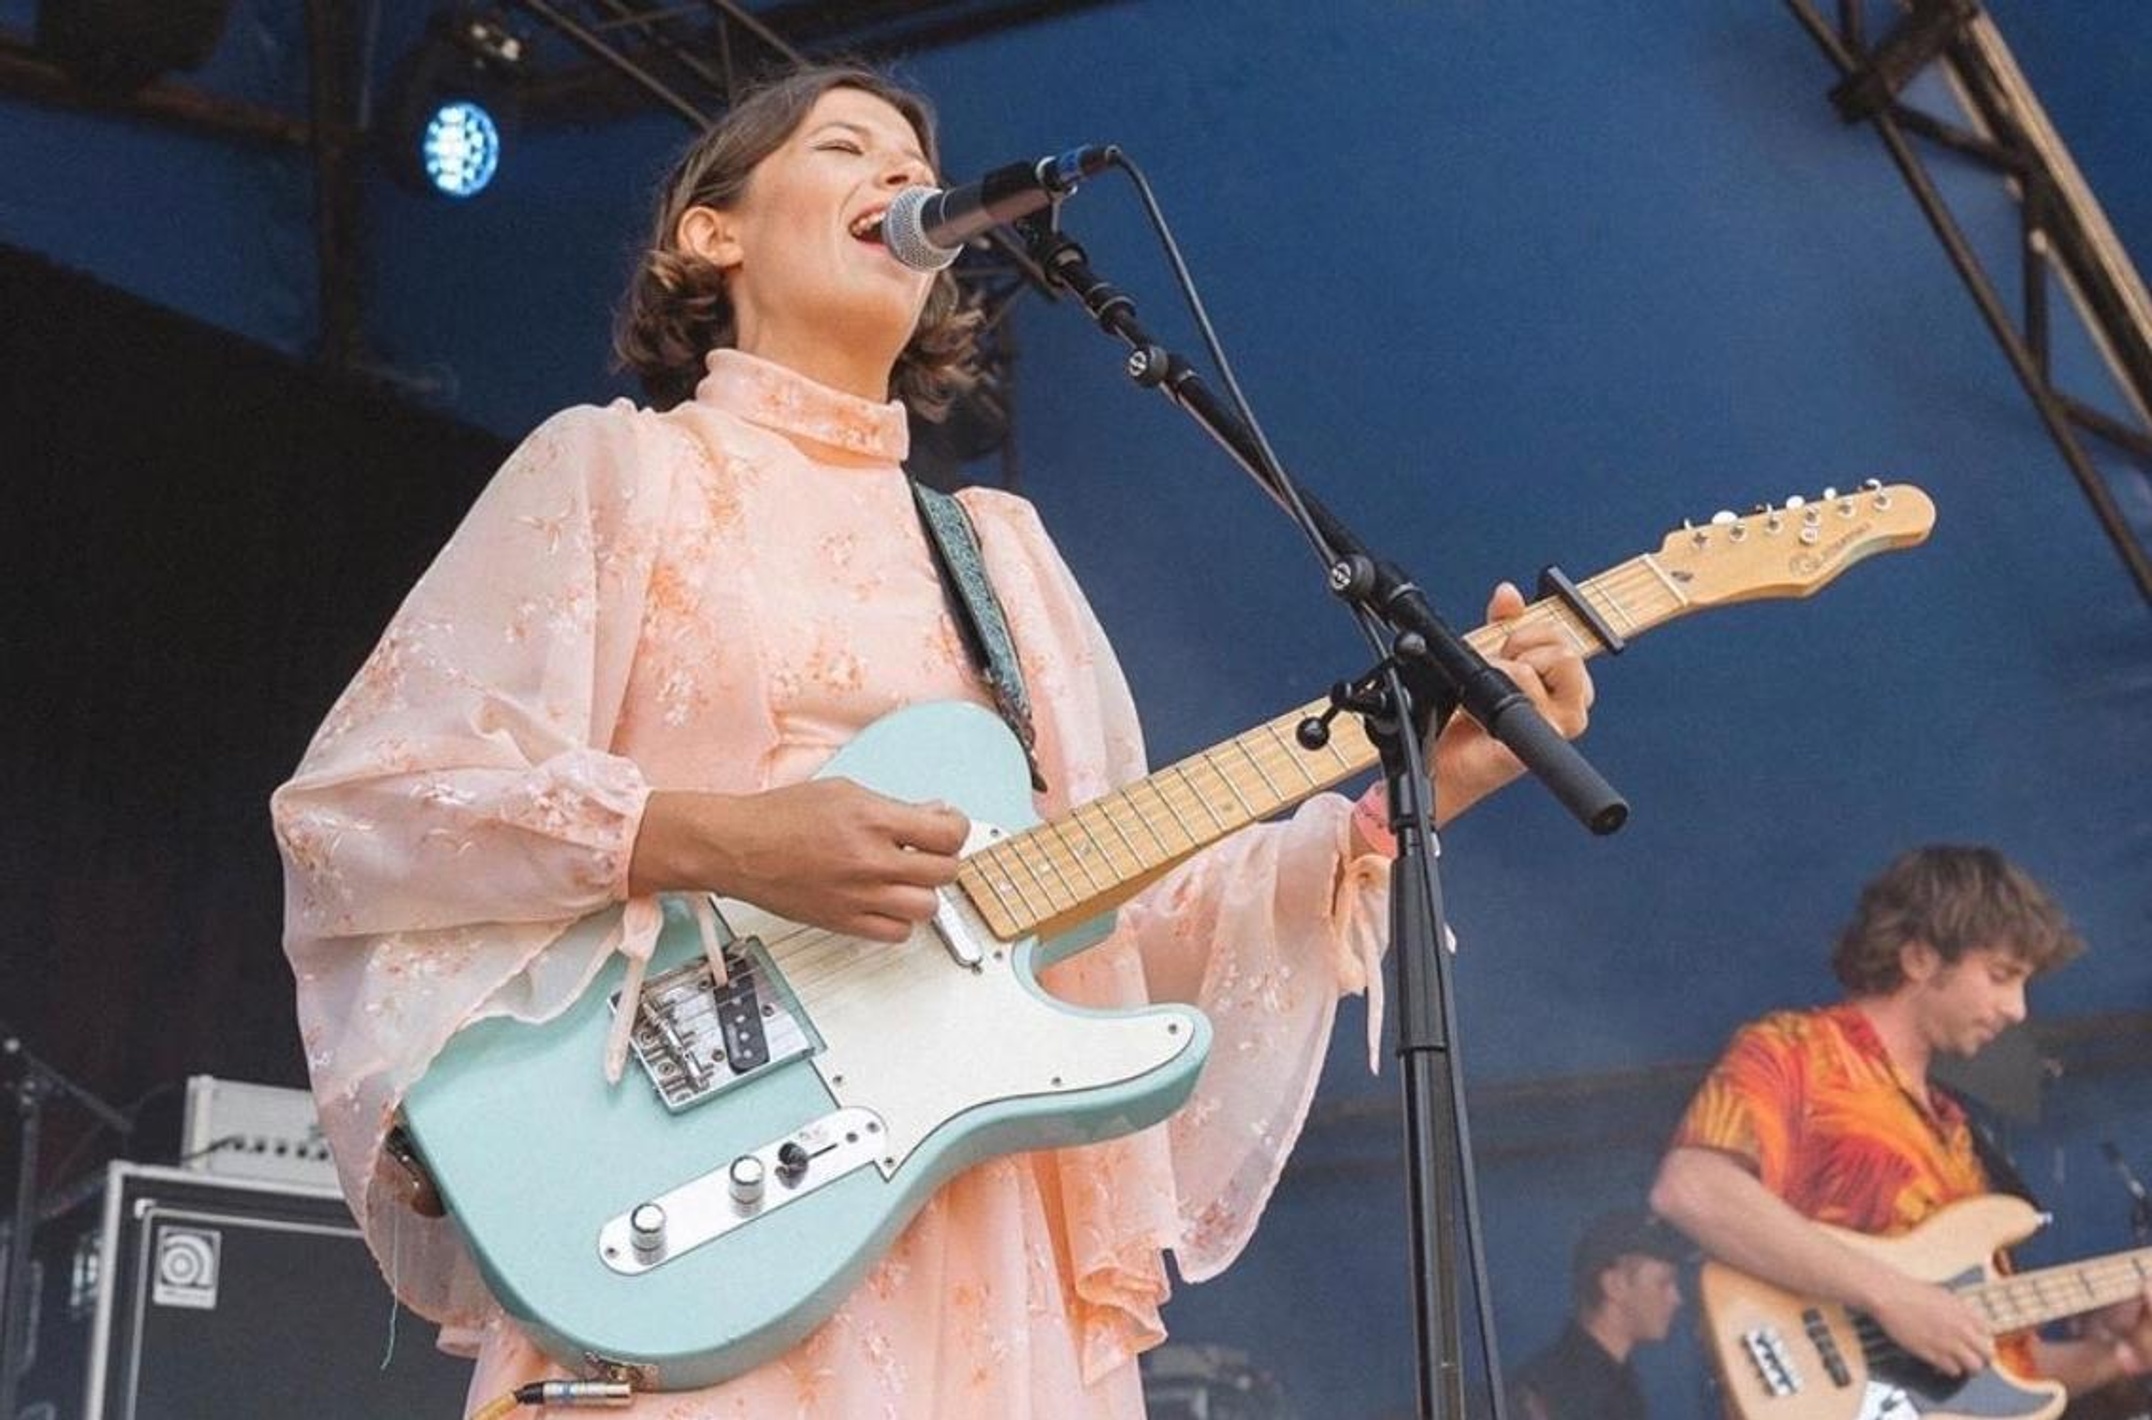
(561, 1395)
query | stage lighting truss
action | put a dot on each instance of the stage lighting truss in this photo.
(2065, 241)
(688, 56)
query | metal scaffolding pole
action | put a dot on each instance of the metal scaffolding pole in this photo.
(2063, 233)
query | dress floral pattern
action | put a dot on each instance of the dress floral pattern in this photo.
(717, 597)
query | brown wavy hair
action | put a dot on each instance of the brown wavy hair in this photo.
(1956, 899)
(676, 311)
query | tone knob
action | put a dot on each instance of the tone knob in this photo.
(792, 1159)
(646, 1229)
(746, 1180)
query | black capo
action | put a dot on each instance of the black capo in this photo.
(1554, 582)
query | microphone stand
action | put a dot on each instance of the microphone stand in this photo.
(35, 1082)
(1430, 672)
(2140, 1200)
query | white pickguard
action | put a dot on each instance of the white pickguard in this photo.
(917, 1038)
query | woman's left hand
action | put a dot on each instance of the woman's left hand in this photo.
(1540, 657)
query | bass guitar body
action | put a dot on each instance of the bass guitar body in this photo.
(1780, 1356)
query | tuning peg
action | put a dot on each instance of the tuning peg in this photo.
(1723, 517)
(1829, 494)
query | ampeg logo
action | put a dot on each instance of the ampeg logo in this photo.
(187, 1267)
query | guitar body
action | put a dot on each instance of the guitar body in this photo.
(1783, 1357)
(886, 1070)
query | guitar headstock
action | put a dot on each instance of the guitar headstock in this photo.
(1793, 549)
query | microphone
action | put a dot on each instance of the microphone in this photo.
(925, 228)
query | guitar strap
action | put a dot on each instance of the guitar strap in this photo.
(979, 616)
(2003, 1175)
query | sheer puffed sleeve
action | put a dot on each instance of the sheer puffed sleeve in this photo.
(460, 807)
(1263, 931)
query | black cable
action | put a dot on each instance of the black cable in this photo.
(1279, 485)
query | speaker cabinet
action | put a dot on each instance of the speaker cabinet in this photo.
(172, 1295)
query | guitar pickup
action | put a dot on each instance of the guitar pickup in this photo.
(1819, 1335)
(739, 1017)
(695, 1038)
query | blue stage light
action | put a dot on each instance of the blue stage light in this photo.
(460, 147)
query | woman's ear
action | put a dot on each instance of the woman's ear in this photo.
(709, 234)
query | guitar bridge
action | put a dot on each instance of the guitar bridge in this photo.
(695, 1039)
(1773, 1360)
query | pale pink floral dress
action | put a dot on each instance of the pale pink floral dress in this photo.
(718, 597)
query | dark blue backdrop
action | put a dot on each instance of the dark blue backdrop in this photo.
(1509, 285)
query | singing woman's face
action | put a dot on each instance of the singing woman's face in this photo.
(811, 284)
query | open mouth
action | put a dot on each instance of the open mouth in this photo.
(867, 227)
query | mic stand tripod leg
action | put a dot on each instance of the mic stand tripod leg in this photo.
(1437, 1137)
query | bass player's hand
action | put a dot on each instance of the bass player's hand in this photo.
(1935, 1324)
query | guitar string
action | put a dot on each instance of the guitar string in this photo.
(1180, 795)
(2109, 1279)
(815, 960)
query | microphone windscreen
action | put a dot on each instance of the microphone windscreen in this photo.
(904, 231)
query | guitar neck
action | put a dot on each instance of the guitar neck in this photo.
(2028, 1299)
(1055, 875)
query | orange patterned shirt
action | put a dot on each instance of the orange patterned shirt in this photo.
(1812, 1102)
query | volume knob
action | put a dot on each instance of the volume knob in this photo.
(646, 1230)
(746, 1179)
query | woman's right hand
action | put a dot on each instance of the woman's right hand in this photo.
(826, 853)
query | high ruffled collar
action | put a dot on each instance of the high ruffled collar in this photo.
(792, 404)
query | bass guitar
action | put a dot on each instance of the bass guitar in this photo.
(783, 1125)
(1783, 1357)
